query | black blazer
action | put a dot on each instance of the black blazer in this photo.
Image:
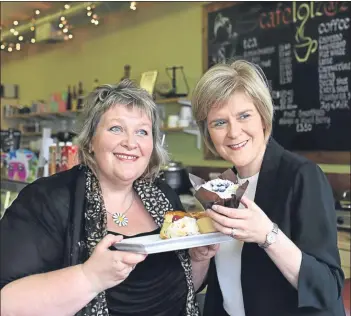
(296, 195)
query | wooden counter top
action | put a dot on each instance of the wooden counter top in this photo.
(344, 240)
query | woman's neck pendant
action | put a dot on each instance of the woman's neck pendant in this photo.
(120, 219)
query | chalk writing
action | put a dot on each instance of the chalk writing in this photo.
(285, 64)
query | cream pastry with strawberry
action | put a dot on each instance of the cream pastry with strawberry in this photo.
(181, 224)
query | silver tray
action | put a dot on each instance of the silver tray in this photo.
(154, 244)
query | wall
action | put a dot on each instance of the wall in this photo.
(153, 37)
(156, 36)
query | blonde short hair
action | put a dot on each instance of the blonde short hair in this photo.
(219, 83)
(100, 100)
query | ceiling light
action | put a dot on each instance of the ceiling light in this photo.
(20, 38)
(88, 8)
(92, 20)
(15, 22)
(65, 30)
(32, 28)
(60, 25)
(62, 18)
(96, 22)
(32, 40)
(18, 46)
(70, 36)
(12, 30)
(2, 46)
(37, 12)
(15, 33)
(133, 5)
(67, 6)
(89, 13)
(10, 49)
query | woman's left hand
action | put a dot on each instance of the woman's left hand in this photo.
(249, 224)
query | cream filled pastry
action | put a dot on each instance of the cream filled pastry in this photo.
(181, 224)
(185, 226)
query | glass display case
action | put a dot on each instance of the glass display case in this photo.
(9, 191)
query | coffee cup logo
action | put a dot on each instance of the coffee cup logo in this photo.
(304, 49)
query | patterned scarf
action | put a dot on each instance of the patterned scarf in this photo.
(156, 203)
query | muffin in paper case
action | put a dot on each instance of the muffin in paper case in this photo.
(224, 190)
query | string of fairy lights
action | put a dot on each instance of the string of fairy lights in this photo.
(21, 39)
(64, 28)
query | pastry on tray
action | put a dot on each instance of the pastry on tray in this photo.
(224, 190)
(181, 224)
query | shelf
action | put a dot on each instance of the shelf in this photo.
(47, 115)
(173, 100)
(10, 99)
(11, 185)
(172, 129)
(165, 101)
(31, 134)
(184, 102)
(35, 134)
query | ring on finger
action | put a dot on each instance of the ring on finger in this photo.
(233, 232)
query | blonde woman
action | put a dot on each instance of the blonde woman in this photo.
(283, 259)
(56, 238)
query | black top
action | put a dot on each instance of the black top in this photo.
(45, 225)
(158, 284)
(295, 194)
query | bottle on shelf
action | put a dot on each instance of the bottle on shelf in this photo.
(58, 156)
(74, 99)
(126, 72)
(96, 83)
(80, 96)
(69, 99)
(52, 159)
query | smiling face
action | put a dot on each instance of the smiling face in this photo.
(122, 144)
(237, 132)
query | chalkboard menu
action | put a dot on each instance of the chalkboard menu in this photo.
(304, 48)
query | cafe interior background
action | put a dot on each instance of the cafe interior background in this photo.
(54, 53)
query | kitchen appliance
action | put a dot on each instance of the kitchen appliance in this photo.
(173, 93)
(126, 72)
(343, 219)
(343, 212)
(177, 177)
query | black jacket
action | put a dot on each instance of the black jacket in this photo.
(296, 195)
(42, 229)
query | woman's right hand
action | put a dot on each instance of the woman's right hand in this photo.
(107, 268)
